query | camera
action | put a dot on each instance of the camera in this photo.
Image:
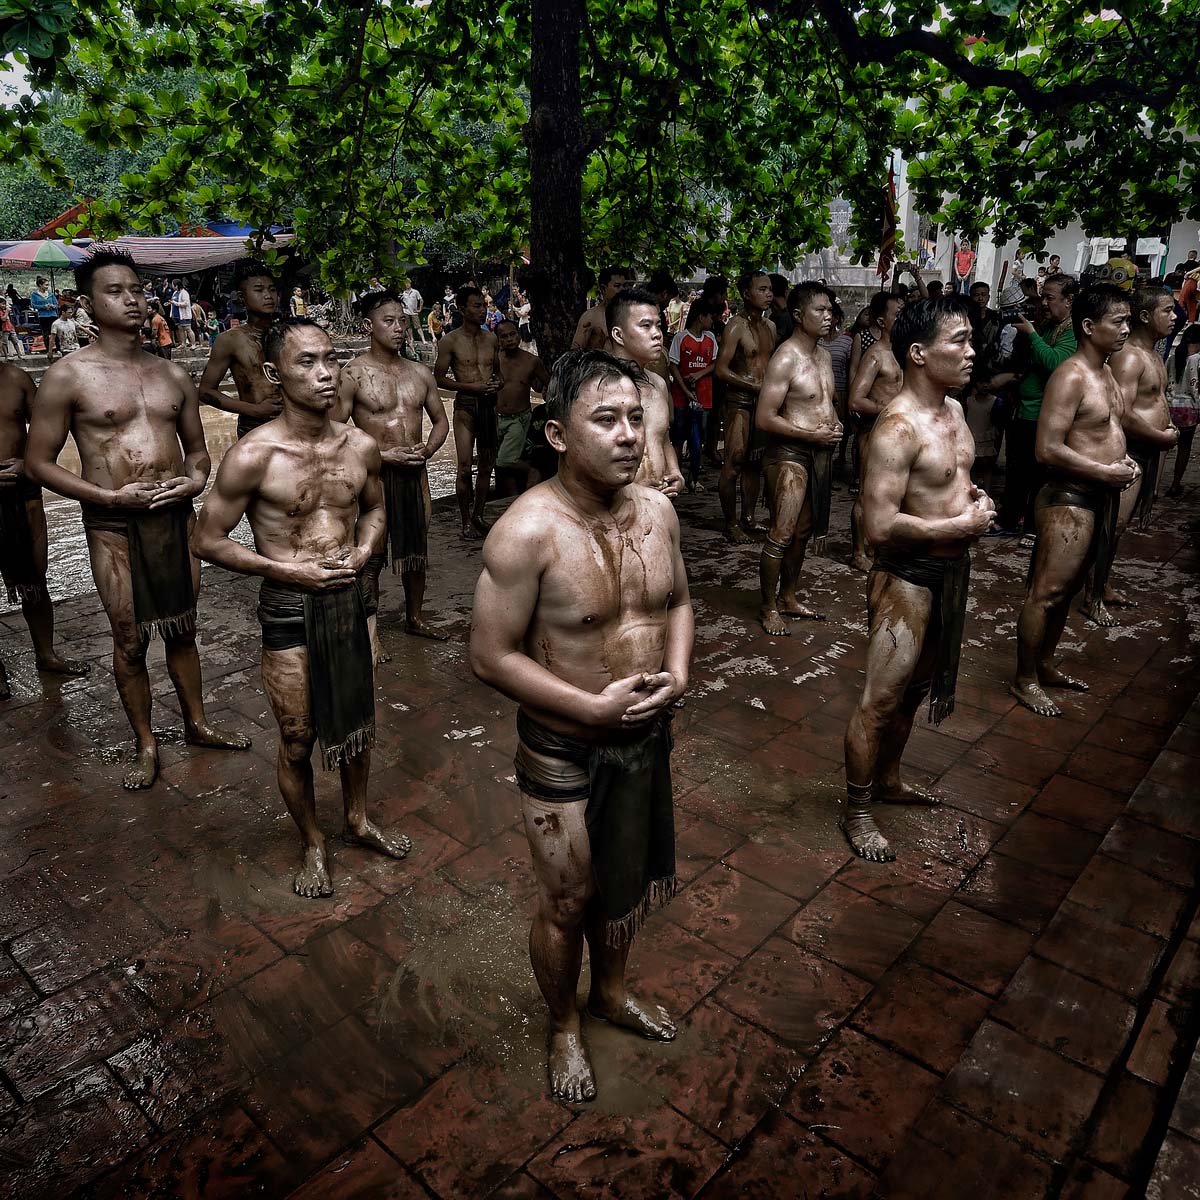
(1010, 314)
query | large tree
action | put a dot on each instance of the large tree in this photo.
(663, 132)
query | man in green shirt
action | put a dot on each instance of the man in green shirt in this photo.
(1048, 346)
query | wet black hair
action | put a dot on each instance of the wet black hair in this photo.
(1094, 304)
(703, 306)
(367, 304)
(779, 286)
(921, 321)
(662, 281)
(507, 321)
(746, 280)
(278, 333)
(464, 294)
(803, 294)
(251, 268)
(97, 261)
(1146, 298)
(879, 305)
(618, 307)
(714, 285)
(575, 370)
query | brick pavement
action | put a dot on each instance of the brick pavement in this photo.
(1009, 1010)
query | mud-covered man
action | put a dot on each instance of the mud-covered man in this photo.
(135, 419)
(388, 396)
(520, 373)
(582, 616)
(592, 332)
(310, 488)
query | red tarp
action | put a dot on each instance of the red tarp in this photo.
(51, 228)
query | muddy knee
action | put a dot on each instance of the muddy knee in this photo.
(565, 909)
(296, 739)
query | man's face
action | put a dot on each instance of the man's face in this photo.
(894, 308)
(260, 294)
(1161, 318)
(817, 318)
(947, 360)
(1108, 333)
(386, 326)
(475, 311)
(1055, 306)
(640, 334)
(980, 295)
(604, 438)
(758, 298)
(117, 300)
(307, 370)
(508, 338)
(616, 284)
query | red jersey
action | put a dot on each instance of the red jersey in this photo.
(693, 353)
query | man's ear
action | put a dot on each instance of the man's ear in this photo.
(85, 302)
(554, 435)
(271, 374)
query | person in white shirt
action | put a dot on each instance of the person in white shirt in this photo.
(181, 313)
(63, 334)
(413, 302)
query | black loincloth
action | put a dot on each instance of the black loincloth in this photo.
(817, 462)
(1149, 457)
(484, 419)
(949, 580)
(1064, 491)
(332, 626)
(756, 441)
(22, 578)
(407, 531)
(245, 424)
(160, 563)
(630, 817)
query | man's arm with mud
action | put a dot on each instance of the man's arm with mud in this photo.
(1128, 370)
(220, 359)
(372, 513)
(196, 462)
(861, 403)
(730, 340)
(439, 422)
(1060, 406)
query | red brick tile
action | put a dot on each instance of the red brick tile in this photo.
(1054, 846)
(795, 861)
(795, 995)
(1127, 737)
(950, 1156)
(1105, 768)
(1016, 759)
(292, 920)
(1185, 1117)
(731, 910)
(1044, 1002)
(985, 793)
(500, 869)
(673, 967)
(741, 724)
(700, 843)
(16, 992)
(1176, 1169)
(1181, 984)
(1128, 896)
(363, 1172)
(1060, 734)
(924, 1014)
(863, 1097)
(1090, 944)
(1154, 851)
(521, 1187)
(1078, 803)
(1174, 770)
(779, 1149)
(1156, 1045)
(1088, 1182)
(1014, 891)
(508, 1118)
(1124, 1123)
(853, 930)
(1171, 808)
(915, 884)
(1024, 1091)
(972, 947)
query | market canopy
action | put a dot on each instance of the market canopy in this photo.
(179, 255)
(45, 253)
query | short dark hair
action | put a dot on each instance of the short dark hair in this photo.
(1146, 298)
(702, 306)
(746, 280)
(97, 261)
(1067, 283)
(368, 303)
(937, 283)
(662, 281)
(465, 293)
(879, 304)
(616, 309)
(803, 294)
(1094, 304)
(979, 283)
(252, 268)
(921, 321)
(507, 321)
(779, 285)
(575, 370)
(607, 273)
(278, 333)
(714, 285)
(1028, 285)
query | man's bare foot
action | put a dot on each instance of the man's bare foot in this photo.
(394, 845)
(570, 1068)
(218, 739)
(795, 611)
(54, 665)
(144, 770)
(418, 627)
(1118, 599)
(1095, 611)
(905, 793)
(1053, 677)
(380, 657)
(736, 534)
(650, 1021)
(1034, 699)
(773, 623)
(860, 562)
(754, 531)
(312, 880)
(865, 839)
(469, 534)
(480, 526)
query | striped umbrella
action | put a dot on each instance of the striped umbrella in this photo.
(40, 254)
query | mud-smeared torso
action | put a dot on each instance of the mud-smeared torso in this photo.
(1096, 431)
(656, 420)
(808, 403)
(14, 412)
(389, 401)
(246, 367)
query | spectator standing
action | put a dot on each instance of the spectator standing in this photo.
(296, 305)
(181, 313)
(44, 304)
(693, 357)
(412, 301)
(160, 332)
(8, 333)
(63, 334)
(1184, 399)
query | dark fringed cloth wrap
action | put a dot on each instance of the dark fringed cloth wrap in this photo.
(817, 461)
(1063, 491)
(756, 442)
(630, 817)
(22, 579)
(160, 564)
(487, 423)
(1149, 458)
(949, 580)
(332, 626)
(407, 531)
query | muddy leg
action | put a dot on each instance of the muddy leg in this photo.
(785, 493)
(608, 999)
(737, 427)
(1094, 607)
(39, 612)
(359, 829)
(860, 557)
(464, 446)
(793, 564)
(487, 459)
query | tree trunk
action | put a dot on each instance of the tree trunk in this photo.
(555, 140)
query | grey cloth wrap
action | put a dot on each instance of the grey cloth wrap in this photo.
(949, 580)
(1063, 491)
(22, 578)
(1149, 458)
(332, 626)
(407, 532)
(818, 463)
(630, 816)
(160, 563)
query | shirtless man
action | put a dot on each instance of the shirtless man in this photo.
(520, 372)
(388, 396)
(877, 380)
(135, 419)
(582, 616)
(240, 350)
(636, 335)
(23, 543)
(746, 347)
(797, 417)
(592, 333)
(1082, 446)
(922, 513)
(1141, 375)
(310, 487)
(466, 365)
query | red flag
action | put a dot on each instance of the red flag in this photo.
(887, 248)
